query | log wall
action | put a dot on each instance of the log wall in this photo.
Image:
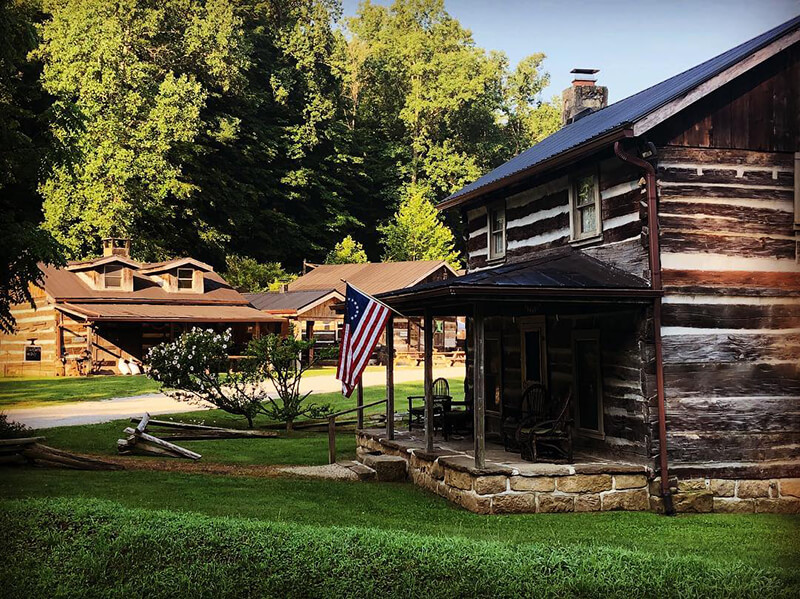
(731, 314)
(37, 323)
(538, 218)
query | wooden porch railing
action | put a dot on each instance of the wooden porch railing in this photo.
(332, 426)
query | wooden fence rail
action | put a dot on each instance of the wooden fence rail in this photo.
(332, 426)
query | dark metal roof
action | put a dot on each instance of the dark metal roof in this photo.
(287, 301)
(561, 271)
(625, 112)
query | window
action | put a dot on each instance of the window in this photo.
(533, 351)
(585, 207)
(185, 278)
(497, 232)
(588, 383)
(112, 275)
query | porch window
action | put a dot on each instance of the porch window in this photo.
(585, 207)
(497, 232)
(533, 351)
(112, 276)
(185, 278)
(588, 383)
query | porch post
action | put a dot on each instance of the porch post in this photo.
(428, 335)
(359, 404)
(479, 389)
(390, 378)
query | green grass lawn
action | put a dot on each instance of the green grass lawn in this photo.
(378, 531)
(25, 392)
(176, 534)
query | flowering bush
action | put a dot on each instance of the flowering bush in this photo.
(194, 368)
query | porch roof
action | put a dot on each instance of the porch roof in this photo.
(165, 313)
(565, 273)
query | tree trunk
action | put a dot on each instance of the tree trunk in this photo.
(289, 426)
(249, 420)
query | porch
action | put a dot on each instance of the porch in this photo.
(507, 484)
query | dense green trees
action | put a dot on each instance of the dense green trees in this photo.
(23, 145)
(268, 129)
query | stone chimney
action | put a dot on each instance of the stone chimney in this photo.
(583, 97)
(117, 246)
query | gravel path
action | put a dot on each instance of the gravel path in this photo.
(92, 412)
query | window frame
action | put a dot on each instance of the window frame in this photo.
(576, 210)
(527, 325)
(490, 232)
(178, 279)
(120, 271)
(588, 335)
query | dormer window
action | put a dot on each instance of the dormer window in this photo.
(112, 276)
(585, 207)
(497, 232)
(185, 278)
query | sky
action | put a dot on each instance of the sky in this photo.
(635, 44)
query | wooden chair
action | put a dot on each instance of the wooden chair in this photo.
(555, 434)
(441, 401)
(532, 407)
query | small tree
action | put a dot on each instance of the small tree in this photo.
(347, 251)
(194, 368)
(282, 366)
(417, 232)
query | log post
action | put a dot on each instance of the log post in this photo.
(428, 335)
(479, 389)
(390, 378)
(309, 337)
(331, 439)
(360, 404)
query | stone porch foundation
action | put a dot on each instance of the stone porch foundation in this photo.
(581, 487)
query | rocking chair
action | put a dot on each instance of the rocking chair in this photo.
(532, 408)
(555, 434)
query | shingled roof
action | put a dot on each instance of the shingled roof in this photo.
(372, 277)
(622, 114)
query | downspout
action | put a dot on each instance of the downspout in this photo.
(655, 274)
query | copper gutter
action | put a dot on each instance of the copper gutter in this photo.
(655, 273)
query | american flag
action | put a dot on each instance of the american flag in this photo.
(364, 321)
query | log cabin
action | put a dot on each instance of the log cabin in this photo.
(641, 266)
(96, 316)
(309, 303)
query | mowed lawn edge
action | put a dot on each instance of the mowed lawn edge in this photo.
(32, 392)
(78, 547)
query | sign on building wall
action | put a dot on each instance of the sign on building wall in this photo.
(33, 353)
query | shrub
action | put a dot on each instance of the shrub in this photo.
(12, 430)
(194, 368)
(279, 358)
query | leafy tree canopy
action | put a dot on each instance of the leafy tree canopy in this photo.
(249, 276)
(347, 251)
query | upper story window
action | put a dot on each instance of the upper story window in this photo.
(585, 207)
(112, 276)
(185, 278)
(497, 232)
